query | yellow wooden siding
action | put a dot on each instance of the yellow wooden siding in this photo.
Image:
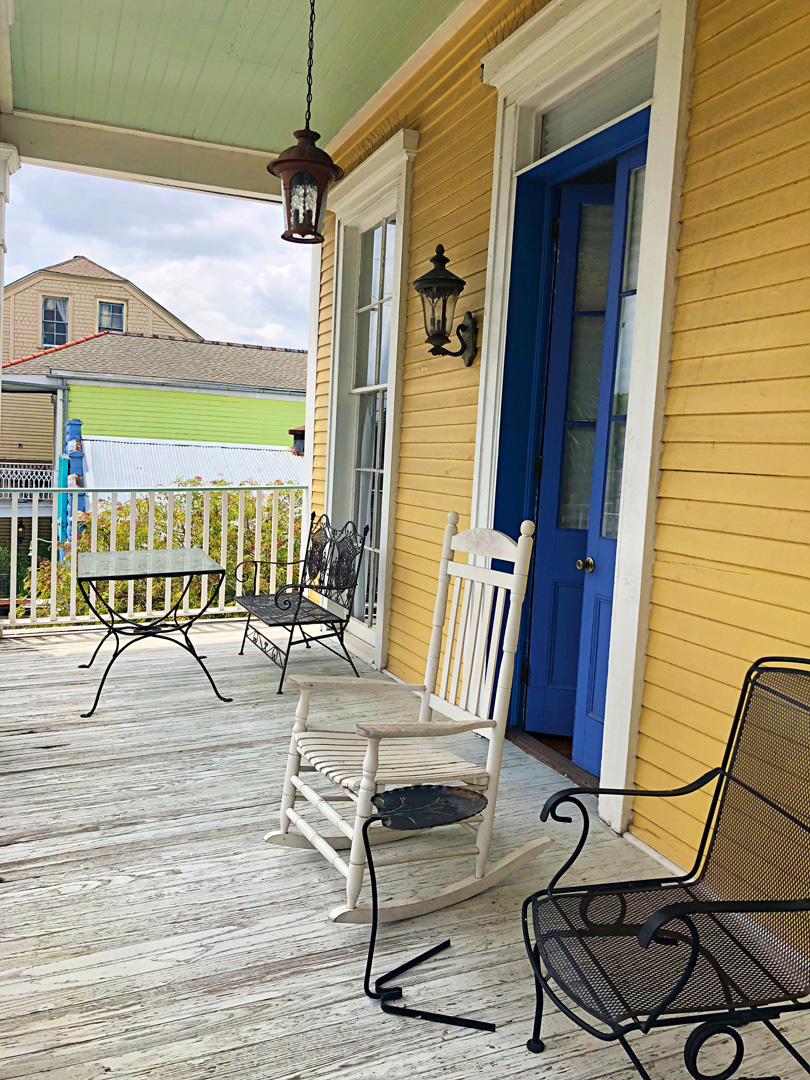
(732, 569)
(26, 431)
(454, 113)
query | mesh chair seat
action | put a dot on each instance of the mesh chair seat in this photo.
(339, 756)
(588, 941)
(265, 608)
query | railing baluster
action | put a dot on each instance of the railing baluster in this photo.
(290, 536)
(167, 585)
(113, 544)
(187, 543)
(54, 557)
(206, 543)
(74, 554)
(257, 536)
(274, 542)
(32, 611)
(223, 550)
(150, 545)
(12, 580)
(240, 537)
(94, 521)
(133, 513)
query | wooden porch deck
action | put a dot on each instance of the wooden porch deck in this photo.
(148, 933)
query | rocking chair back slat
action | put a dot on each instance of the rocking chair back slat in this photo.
(488, 682)
(448, 648)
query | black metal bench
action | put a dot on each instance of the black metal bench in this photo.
(329, 568)
(721, 947)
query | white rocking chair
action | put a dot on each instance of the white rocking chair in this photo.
(382, 753)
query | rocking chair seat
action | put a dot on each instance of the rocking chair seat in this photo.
(339, 756)
(265, 608)
(588, 941)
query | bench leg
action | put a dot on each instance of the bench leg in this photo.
(339, 636)
(535, 1043)
(286, 658)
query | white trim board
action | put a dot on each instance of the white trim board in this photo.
(565, 46)
(378, 187)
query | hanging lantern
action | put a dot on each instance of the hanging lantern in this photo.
(305, 172)
(439, 290)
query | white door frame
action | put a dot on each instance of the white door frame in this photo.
(565, 46)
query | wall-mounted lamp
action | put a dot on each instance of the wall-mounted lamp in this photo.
(20, 532)
(439, 289)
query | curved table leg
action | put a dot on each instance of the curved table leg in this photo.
(98, 650)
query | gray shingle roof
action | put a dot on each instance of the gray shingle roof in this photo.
(81, 266)
(136, 356)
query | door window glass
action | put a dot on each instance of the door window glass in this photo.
(373, 345)
(621, 378)
(587, 338)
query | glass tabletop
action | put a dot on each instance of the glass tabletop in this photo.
(125, 565)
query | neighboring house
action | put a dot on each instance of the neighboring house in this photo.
(74, 299)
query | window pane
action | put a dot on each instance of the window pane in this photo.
(110, 316)
(613, 484)
(586, 364)
(364, 482)
(383, 409)
(624, 354)
(575, 491)
(635, 207)
(366, 457)
(366, 366)
(390, 243)
(54, 320)
(370, 253)
(593, 259)
(385, 341)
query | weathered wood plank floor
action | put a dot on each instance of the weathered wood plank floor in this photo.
(148, 933)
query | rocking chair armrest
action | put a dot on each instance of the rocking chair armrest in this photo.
(553, 801)
(370, 686)
(655, 922)
(420, 730)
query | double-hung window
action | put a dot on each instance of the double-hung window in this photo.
(110, 315)
(54, 320)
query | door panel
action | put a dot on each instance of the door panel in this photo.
(568, 445)
(608, 456)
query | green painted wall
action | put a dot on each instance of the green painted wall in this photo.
(174, 414)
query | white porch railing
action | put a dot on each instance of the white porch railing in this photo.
(25, 475)
(231, 523)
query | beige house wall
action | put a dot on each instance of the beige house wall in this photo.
(22, 311)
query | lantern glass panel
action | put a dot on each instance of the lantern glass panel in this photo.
(439, 311)
(304, 219)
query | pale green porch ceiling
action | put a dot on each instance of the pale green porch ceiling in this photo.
(219, 71)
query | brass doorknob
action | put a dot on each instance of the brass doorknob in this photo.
(588, 565)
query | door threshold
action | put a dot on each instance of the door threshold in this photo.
(536, 748)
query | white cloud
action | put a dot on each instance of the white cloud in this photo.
(219, 264)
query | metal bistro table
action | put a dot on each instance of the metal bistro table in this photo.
(188, 563)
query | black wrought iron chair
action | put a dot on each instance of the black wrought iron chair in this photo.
(330, 568)
(721, 947)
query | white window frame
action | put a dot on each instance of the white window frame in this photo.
(53, 295)
(110, 300)
(566, 45)
(378, 188)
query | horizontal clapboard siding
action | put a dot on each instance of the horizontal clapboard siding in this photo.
(732, 569)
(454, 113)
(26, 433)
(167, 414)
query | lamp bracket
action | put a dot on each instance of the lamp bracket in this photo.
(467, 334)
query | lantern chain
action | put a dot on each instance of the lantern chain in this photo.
(311, 47)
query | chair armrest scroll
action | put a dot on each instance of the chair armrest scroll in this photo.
(416, 730)
(363, 686)
(649, 931)
(553, 801)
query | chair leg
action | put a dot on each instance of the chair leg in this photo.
(346, 652)
(357, 856)
(535, 1043)
(286, 659)
(244, 636)
(293, 762)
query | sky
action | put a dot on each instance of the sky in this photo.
(217, 263)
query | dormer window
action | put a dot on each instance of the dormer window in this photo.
(54, 320)
(110, 315)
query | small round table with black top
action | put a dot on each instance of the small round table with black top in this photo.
(410, 809)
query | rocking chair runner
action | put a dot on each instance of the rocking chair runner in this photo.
(329, 568)
(723, 946)
(378, 754)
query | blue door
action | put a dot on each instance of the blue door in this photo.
(581, 455)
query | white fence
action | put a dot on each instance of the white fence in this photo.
(24, 475)
(232, 524)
